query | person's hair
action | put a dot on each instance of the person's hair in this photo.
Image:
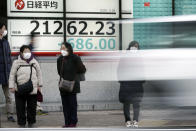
(23, 47)
(132, 43)
(32, 35)
(2, 24)
(69, 47)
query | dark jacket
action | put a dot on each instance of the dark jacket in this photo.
(130, 90)
(5, 61)
(71, 67)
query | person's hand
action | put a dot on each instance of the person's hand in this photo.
(12, 90)
(39, 88)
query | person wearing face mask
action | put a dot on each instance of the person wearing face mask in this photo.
(25, 68)
(5, 66)
(131, 92)
(68, 66)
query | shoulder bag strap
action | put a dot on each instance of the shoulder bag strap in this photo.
(31, 71)
(61, 71)
(19, 68)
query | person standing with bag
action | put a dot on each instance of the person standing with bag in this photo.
(69, 66)
(26, 75)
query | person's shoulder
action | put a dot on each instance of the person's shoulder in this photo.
(17, 62)
(76, 56)
(5, 40)
(60, 57)
(34, 61)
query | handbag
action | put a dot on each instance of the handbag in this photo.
(39, 96)
(65, 85)
(27, 87)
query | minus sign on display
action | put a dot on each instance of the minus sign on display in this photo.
(41, 35)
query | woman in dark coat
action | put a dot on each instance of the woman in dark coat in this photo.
(131, 92)
(72, 66)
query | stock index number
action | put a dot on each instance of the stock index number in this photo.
(72, 28)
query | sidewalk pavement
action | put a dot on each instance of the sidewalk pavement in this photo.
(158, 118)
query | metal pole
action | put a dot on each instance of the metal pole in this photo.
(120, 25)
(64, 20)
(173, 7)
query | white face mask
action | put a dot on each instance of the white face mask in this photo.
(27, 55)
(4, 33)
(133, 49)
(64, 53)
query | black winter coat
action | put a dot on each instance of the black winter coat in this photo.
(5, 61)
(71, 67)
(130, 90)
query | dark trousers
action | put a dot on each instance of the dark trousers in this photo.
(26, 103)
(136, 111)
(69, 102)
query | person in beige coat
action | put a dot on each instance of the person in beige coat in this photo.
(20, 74)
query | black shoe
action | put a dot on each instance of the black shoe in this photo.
(11, 119)
(31, 126)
